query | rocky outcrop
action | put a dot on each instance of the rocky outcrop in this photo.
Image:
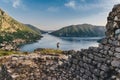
(95, 63)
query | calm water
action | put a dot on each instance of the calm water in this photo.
(74, 43)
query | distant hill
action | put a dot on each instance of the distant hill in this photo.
(35, 29)
(10, 29)
(83, 30)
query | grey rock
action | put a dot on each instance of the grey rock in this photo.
(104, 67)
(116, 43)
(90, 56)
(117, 55)
(106, 52)
(110, 53)
(110, 41)
(117, 49)
(115, 63)
(104, 41)
(106, 47)
(82, 70)
(101, 46)
(119, 37)
(75, 61)
(112, 49)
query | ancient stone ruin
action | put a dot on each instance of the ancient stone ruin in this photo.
(95, 63)
(113, 21)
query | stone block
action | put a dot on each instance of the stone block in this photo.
(117, 49)
(115, 63)
(117, 55)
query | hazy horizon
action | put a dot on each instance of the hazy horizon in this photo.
(64, 26)
(55, 14)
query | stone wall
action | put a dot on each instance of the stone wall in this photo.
(95, 63)
(91, 64)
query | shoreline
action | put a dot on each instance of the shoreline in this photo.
(16, 43)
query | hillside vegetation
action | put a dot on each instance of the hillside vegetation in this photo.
(36, 29)
(83, 30)
(10, 29)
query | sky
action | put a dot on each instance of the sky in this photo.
(55, 14)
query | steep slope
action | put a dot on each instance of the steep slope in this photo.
(83, 30)
(35, 29)
(10, 30)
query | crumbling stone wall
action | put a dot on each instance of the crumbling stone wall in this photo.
(95, 63)
(101, 63)
(113, 21)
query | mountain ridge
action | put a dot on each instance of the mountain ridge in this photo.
(80, 30)
(36, 29)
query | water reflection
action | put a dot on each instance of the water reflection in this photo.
(78, 39)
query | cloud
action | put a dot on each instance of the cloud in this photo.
(103, 7)
(101, 17)
(71, 4)
(79, 6)
(16, 3)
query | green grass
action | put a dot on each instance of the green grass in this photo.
(5, 53)
(49, 51)
(41, 51)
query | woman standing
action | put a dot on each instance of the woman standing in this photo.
(58, 45)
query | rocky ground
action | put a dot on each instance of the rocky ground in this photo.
(29, 67)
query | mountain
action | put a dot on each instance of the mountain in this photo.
(35, 29)
(10, 30)
(83, 30)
